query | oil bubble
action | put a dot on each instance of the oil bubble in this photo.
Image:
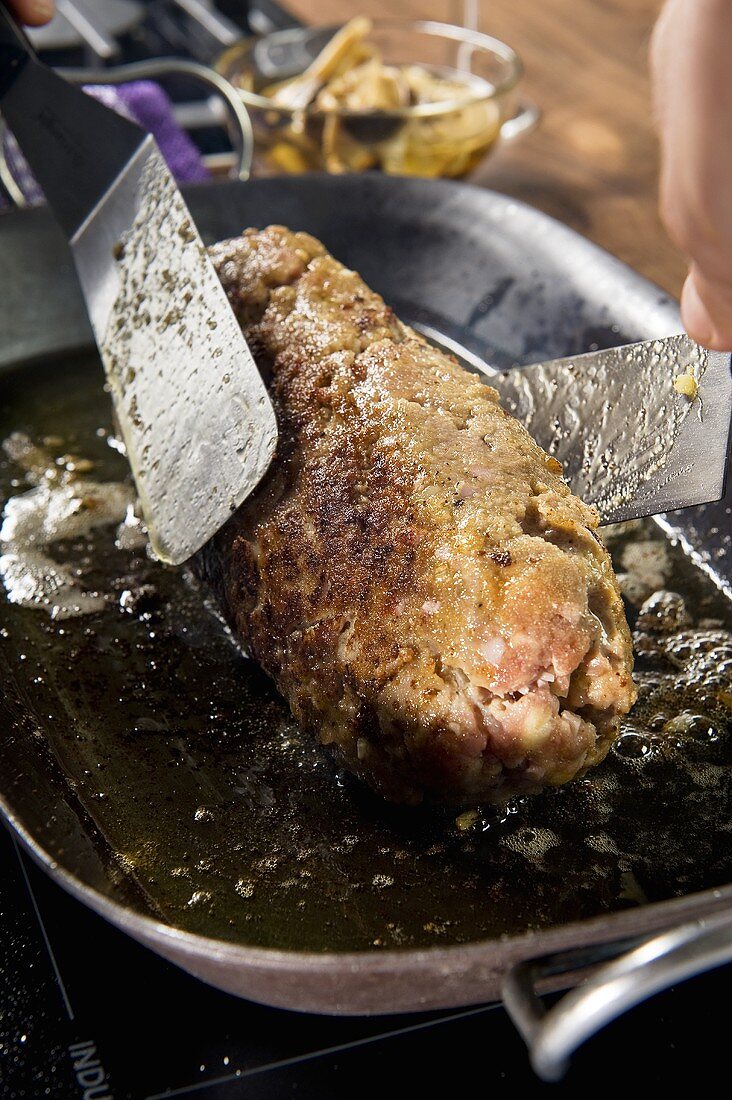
(633, 746)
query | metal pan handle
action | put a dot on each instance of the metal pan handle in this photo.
(647, 968)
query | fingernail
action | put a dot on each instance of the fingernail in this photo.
(694, 314)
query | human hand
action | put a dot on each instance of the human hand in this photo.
(691, 68)
(34, 13)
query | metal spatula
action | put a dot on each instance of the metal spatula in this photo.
(630, 439)
(194, 413)
(630, 442)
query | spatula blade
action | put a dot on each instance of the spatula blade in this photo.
(196, 418)
(629, 442)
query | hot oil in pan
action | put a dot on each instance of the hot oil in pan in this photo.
(231, 823)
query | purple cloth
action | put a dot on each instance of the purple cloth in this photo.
(143, 102)
(149, 105)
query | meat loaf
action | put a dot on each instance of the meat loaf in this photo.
(414, 574)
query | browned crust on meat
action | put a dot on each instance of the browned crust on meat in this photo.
(413, 573)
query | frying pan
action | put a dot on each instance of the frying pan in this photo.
(155, 774)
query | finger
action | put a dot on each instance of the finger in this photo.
(34, 13)
(706, 310)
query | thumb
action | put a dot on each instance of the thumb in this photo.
(706, 310)
(34, 13)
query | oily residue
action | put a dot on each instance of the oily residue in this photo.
(155, 761)
(60, 505)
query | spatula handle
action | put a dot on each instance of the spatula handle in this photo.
(74, 145)
(15, 49)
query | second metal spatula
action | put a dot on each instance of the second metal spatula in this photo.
(196, 418)
(639, 430)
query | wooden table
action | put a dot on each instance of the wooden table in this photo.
(593, 161)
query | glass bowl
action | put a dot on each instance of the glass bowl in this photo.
(446, 138)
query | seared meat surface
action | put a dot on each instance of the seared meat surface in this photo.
(413, 573)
